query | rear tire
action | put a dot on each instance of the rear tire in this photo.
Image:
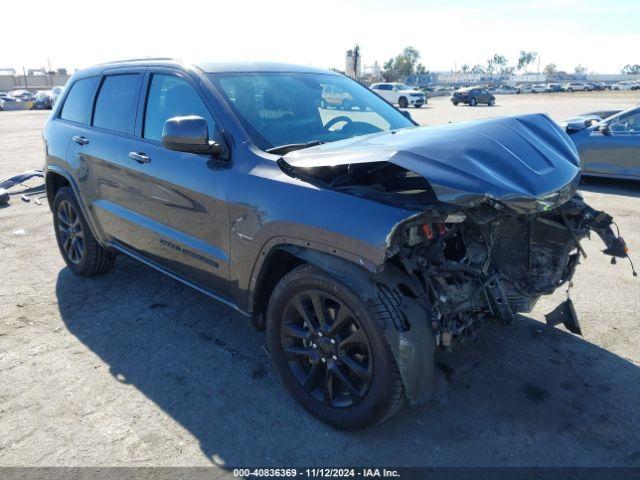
(455, 104)
(80, 250)
(373, 389)
(492, 102)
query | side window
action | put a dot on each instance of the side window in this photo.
(171, 96)
(116, 104)
(627, 124)
(77, 105)
(385, 86)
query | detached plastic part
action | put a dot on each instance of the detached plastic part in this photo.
(16, 180)
(565, 314)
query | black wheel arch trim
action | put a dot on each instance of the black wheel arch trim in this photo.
(402, 319)
(55, 169)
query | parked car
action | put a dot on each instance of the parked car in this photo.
(576, 87)
(505, 89)
(553, 87)
(610, 147)
(539, 88)
(400, 94)
(333, 96)
(55, 94)
(14, 102)
(585, 120)
(473, 96)
(597, 86)
(524, 88)
(23, 95)
(43, 99)
(360, 241)
(625, 85)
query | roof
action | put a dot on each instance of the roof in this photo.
(207, 67)
(223, 67)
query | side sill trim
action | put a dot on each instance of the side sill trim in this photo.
(135, 256)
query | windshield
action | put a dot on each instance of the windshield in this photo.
(400, 86)
(280, 109)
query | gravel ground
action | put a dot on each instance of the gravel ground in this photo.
(134, 369)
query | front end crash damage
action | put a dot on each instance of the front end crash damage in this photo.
(484, 244)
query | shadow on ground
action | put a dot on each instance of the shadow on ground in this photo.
(519, 395)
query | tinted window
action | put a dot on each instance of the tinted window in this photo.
(77, 106)
(171, 96)
(116, 104)
(385, 87)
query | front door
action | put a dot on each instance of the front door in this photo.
(615, 152)
(179, 199)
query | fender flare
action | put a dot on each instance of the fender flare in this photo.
(403, 320)
(76, 191)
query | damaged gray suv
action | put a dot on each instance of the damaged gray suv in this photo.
(360, 241)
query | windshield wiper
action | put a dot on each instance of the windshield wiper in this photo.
(282, 149)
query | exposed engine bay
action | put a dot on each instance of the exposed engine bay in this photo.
(494, 263)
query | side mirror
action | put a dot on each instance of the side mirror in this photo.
(406, 114)
(604, 129)
(189, 134)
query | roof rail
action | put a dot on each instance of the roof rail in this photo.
(129, 60)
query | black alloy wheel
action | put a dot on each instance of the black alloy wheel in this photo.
(79, 248)
(327, 349)
(70, 231)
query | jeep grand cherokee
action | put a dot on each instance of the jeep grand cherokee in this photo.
(360, 241)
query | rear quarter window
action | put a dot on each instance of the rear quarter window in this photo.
(77, 105)
(116, 103)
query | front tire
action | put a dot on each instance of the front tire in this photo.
(492, 102)
(473, 102)
(329, 351)
(80, 250)
(403, 102)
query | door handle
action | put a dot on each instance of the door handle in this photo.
(80, 140)
(139, 157)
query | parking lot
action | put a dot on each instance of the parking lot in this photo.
(133, 368)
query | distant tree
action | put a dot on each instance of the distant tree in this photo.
(421, 69)
(550, 69)
(477, 69)
(499, 64)
(631, 69)
(402, 65)
(464, 68)
(387, 70)
(525, 59)
(580, 70)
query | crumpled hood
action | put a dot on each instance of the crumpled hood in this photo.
(526, 161)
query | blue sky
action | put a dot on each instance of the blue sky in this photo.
(601, 35)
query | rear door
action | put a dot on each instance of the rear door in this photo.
(178, 200)
(102, 147)
(100, 143)
(385, 90)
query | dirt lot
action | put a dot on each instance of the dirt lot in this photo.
(133, 368)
